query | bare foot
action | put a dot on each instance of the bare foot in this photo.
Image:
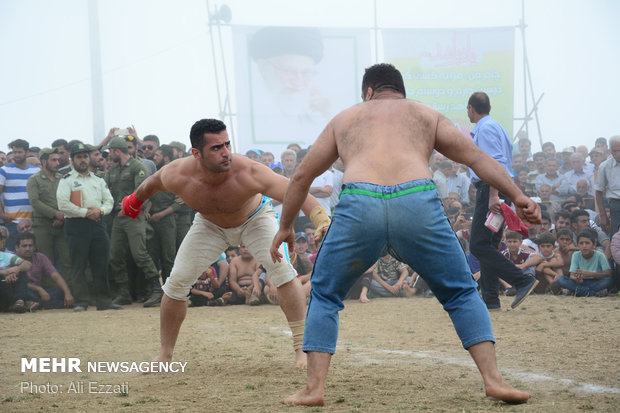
(304, 397)
(409, 291)
(159, 357)
(301, 360)
(505, 392)
(364, 299)
(226, 297)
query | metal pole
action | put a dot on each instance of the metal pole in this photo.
(522, 27)
(96, 74)
(376, 28)
(214, 57)
(227, 107)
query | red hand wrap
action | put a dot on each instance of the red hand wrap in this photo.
(132, 206)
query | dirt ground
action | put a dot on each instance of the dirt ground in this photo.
(394, 355)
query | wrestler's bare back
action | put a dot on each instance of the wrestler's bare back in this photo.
(389, 141)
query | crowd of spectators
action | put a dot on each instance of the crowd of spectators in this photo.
(46, 263)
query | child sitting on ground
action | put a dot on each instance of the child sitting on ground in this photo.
(208, 291)
(525, 259)
(389, 279)
(590, 274)
(551, 266)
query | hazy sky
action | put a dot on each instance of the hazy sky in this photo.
(158, 66)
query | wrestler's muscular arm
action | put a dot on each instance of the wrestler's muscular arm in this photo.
(321, 156)
(450, 142)
(147, 189)
(274, 186)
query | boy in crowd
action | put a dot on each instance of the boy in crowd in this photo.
(551, 266)
(208, 290)
(301, 262)
(243, 278)
(389, 279)
(590, 274)
(523, 258)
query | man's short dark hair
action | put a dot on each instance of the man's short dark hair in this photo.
(151, 138)
(548, 144)
(600, 140)
(574, 216)
(383, 76)
(545, 215)
(539, 155)
(166, 150)
(23, 236)
(545, 238)
(480, 102)
(19, 143)
(562, 214)
(197, 133)
(60, 142)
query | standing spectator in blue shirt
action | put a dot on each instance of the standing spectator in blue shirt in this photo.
(492, 138)
(15, 204)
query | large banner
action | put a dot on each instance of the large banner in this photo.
(290, 81)
(443, 67)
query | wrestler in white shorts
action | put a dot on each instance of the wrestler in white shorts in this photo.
(205, 242)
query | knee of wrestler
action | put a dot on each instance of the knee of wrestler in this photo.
(176, 290)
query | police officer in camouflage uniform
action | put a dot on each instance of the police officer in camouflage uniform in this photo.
(48, 219)
(128, 234)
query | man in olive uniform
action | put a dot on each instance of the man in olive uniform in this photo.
(160, 214)
(97, 161)
(84, 198)
(128, 234)
(62, 148)
(183, 215)
(48, 219)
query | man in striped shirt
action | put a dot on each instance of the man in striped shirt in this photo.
(15, 204)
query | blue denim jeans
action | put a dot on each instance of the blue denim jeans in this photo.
(409, 221)
(588, 288)
(57, 298)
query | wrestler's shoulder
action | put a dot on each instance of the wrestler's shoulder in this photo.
(179, 168)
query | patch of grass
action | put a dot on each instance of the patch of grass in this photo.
(147, 399)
